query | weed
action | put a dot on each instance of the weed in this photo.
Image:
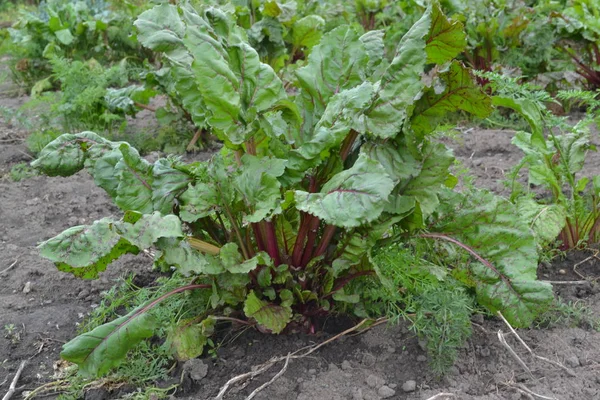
(568, 315)
(22, 171)
(12, 333)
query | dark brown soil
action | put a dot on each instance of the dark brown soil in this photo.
(373, 365)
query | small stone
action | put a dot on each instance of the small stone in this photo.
(346, 365)
(83, 294)
(196, 369)
(562, 271)
(423, 344)
(385, 391)
(391, 349)
(477, 318)
(485, 352)
(421, 358)
(573, 361)
(374, 381)
(409, 386)
(27, 287)
(312, 371)
(393, 385)
(357, 394)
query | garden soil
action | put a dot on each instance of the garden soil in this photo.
(40, 308)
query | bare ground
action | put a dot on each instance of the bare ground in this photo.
(373, 365)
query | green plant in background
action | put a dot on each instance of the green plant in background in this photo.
(80, 31)
(275, 229)
(578, 25)
(571, 211)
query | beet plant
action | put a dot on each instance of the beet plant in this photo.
(315, 174)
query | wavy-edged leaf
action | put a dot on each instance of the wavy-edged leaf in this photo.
(307, 32)
(160, 28)
(168, 182)
(338, 62)
(350, 198)
(234, 262)
(272, 316)
(401, 82)
(398, 162)
(66, 155)
(86, 250)
(187, 339)
(188, 261)
(505, 272)
(460, 93)
(434, 172)
(103, 348)
(546, 220)
(134, 191)
(446, 39)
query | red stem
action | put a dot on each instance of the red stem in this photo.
(260, 243)
(325, 240)
(343, 282)
(272, 246)
(310, 241)
(299, 244)
(347, 145)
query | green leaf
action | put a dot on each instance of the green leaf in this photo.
(103, 348)
(375, 47)
(85, 251)
(529, 110)
(546, 220)
(446, 39)
(187, 261)
(401, 82)
(160, 28)
(64, 36)
(352, 197)
(460, 93)
(149, 228)
(234, 262)
(491, 228)
(66, 155)
(167, 184)
(398, 162)
(434, 171)
(187, 339)
(337, 63)
(271, 316)
(135, 181)
(307, 32)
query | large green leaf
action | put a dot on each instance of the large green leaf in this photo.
(85, 251)
(394, 156)
(337, 63)
(66, 155)
(401, 82)
(160, 28)
(272, 316)
(446, 39)
(460, 93)
(505, 273)
(135, 181)
(103, 348)
(168, 182)
(434, 172)
(350, 198)
(306, 32)
(545, 220)
(343, 113)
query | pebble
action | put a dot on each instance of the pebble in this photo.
(27, 287)
(83, 294)
(385, 391)
(423, 344)
(312, 371)
(196, 369)
(421, 358)
(409, 386)
(573, 361)
(485, 352)
(346, 365)
(374, 381)
(562, 271)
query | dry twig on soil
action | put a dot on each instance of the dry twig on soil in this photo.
(295, 355)
(569, 371)
(441, 396)
(13, 385)
(9, 268)
(504, 343)
(264, 385)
